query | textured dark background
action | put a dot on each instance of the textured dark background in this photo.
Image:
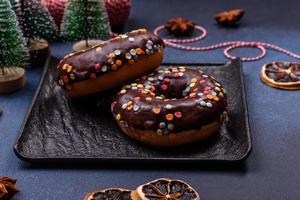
(273, 169)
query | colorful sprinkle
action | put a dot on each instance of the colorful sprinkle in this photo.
(148, 99)
(193, 80)
(202, 103)
(132, 52)
(218, 89)
(169, 117)
(149, 42)
(131, 39)
(137, 98)
(167, 80)
(175, 75)
(118, 117)
(159, 132)
(213, 93)
(149, 46)
(123, 91)
(111, 55)
(72, 76)
(162, 125)
(104, 68)
(128, 56)
(168, 106)
(156, 110)
(129, 107)
(164, 87)
(180, 74)
(61, 82)
(178, 115)
(124, 106)
(216, 98)
(69, 68)
(64, 67)
(117, 52)
(97, 66)
(136, 107)
(118, 62)
(65, 79)
(208, 104)
(209, 96)
(170, 126)
(192, 95)
(192, 84)
(139, 51)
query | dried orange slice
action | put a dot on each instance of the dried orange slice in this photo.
(165, 189)
(283, 75)
(109, 194)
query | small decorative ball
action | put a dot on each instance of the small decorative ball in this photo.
(118, 12)
(56, 9)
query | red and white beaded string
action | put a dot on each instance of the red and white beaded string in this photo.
(230, 45)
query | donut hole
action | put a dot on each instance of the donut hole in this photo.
(174, 89)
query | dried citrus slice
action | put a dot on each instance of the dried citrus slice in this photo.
(165, 189)
(284, 75)
(109, 194)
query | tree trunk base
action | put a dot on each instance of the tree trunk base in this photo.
(81, 45)
(12, 80)
(39, 51)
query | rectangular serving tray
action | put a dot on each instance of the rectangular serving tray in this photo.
(60, 129)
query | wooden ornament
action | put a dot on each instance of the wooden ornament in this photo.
(11, 79)
(83, 44)
(39, 52)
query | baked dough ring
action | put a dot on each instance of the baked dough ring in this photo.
(171, 107)
(110, 63)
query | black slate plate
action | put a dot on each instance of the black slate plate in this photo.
(60, 129)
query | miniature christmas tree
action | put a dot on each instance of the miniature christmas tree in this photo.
(37, 25)
(13, 53)
(85, 19)
(36, 21)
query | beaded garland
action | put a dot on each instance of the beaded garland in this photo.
(171, 100)
(135, 47)
(230, 45)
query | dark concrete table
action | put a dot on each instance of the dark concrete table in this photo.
(272, 171)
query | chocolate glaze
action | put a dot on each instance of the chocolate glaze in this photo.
(283, 71)
(107, 56)
(187, 99)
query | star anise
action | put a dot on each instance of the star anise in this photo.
(229, 18)
(180, 27)
(7, 188)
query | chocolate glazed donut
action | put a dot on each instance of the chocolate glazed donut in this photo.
(173, 106)
(110, 63)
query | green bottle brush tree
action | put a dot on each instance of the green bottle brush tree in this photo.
(13, 52)
(85, 20)
(37, 26)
